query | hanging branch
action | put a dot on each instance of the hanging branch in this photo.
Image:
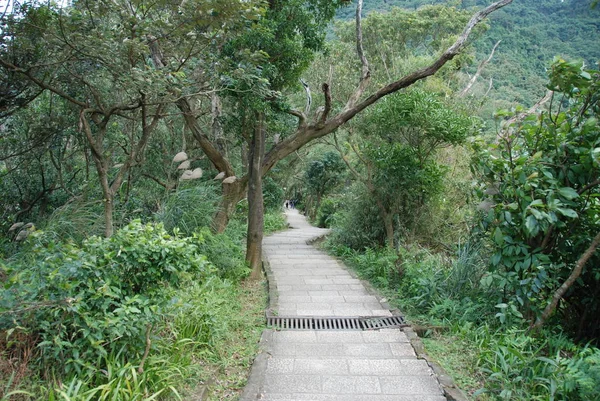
(567, 284)
(478, 73)
(489, 87)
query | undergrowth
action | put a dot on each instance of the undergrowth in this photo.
(484, 344)
(148, 314)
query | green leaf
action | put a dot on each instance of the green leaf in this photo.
(498, 236)
(568, 192)
(567, 212)
(531, 224)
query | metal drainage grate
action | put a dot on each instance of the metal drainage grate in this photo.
(335, 323)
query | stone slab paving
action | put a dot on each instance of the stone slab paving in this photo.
(378, 365)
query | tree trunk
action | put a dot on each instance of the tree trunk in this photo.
(232, 194)
(388, 222)
(108, 197)
(255, 199)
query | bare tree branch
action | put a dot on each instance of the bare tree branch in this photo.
(302, 136)
(567, 284)
(531, 110)
(489, 87)
(478, 73)
(167, 185)
(301, 117)
(327, 109)
(365, 74)
(308, 96)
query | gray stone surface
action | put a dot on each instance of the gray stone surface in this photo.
(378, 365)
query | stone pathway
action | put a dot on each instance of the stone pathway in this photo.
(307, 365)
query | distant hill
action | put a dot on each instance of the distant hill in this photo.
(532, 33)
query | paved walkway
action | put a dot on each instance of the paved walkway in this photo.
(378, 365)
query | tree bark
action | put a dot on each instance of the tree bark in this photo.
(255, 199)
(232, 194)
(567, 284)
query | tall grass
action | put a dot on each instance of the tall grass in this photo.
(75, 221)
(189, 209)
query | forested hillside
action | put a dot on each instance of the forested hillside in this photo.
(533, 32)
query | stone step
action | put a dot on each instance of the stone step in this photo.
(350, 367)
(346, 397)
(352, 385)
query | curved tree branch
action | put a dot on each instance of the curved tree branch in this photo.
(567, 284)
(302, 136)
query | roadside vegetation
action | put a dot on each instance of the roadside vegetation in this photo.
(497, 271)
(148, 313)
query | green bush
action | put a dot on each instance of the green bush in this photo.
(357, 223)
(539, 199)
(326, 212)
(274, 221)
(86, 302)
(520, 366)
(224, 253)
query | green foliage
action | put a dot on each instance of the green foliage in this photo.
(395, 160)
(357, 223)
(274, 221)
(322, 176)
(539, 192)
(329, 207)
(524, 367)
(397, 40)
(273, 195)
(532, 34)
(189, 209)
(223, 252)
(293, 29)
(87, 302)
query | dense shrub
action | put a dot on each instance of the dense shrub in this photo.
(357, 223)
(224, 253)
(539, 189)
(86, 302)
(326, 212)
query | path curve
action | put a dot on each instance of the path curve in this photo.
(308, 365)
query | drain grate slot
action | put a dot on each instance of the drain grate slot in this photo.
(335, 323)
